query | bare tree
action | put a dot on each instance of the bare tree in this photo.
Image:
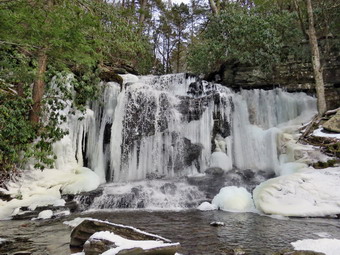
(317, 68)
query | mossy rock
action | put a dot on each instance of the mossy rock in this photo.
(329, 163)
(333, 124)
(110, 76)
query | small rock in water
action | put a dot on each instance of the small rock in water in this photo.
(217, 224)
(239, 251)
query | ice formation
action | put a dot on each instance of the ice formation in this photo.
(176, 125)
(235, 199)
(206, 206)
(40, 188)
(308, 192)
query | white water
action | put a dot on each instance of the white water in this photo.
(140, 131)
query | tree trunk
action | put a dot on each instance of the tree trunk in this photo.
(319, 83)
(38, 87)
(142, 11)
(213, 7)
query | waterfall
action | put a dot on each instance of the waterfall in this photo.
(176, 125)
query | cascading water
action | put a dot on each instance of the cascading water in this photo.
(177, 125)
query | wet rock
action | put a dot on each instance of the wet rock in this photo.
(169, 188)
(217, 224)
(5, 197)
(85, 199)
(97, 246)
(26, 215)
(209, 184)
(215, 179)
(191, 151)
(333, 124)
(214, 171)
(109, 75)
(87, 228)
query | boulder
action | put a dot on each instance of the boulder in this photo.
(333, 124)
(5, 197)
(87, 228)
(214, 171)
(96, 246)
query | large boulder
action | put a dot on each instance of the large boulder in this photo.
(104, 241)
(87, 228)
(333, 124)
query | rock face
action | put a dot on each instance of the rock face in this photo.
(84, 230)
(333, 124)
(294, 76)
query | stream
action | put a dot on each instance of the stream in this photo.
(249, 232)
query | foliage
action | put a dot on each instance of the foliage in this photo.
(244, 35)
(76, 36)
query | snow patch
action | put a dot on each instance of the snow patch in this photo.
(206, 206)
(75, 222)
(46, 214)
(221, 160)
(318, 132)
(327, 246)
(235, 199)
(308, 192)
(129, 78)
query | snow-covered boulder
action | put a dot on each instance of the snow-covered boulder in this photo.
(308, 192)
(206, 206)
(235, 199)
(106, 242)
(81, 233)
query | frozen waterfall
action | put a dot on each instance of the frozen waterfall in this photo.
(177, 125)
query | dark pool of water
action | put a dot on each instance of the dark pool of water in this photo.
(252, 233)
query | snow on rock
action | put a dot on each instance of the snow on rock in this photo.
(319, 132)
(2, 240)
(221, 160)
(129, 78)
(327, 246)
(206, 206)
(75, 222)
(46, 214)
(126, 244)
(308, 192)
(88, 227)
(41, 188)
(235, 199)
